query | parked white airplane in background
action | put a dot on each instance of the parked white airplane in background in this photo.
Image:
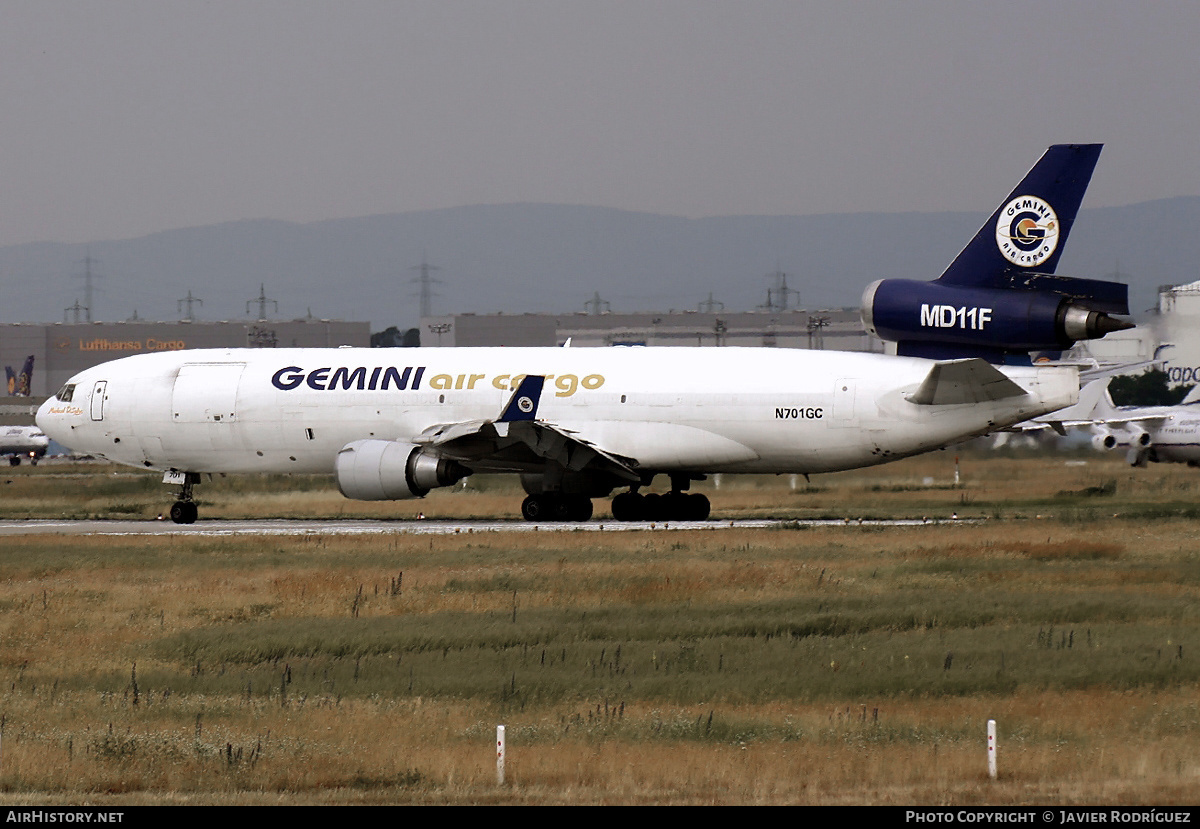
(1147, 434)
(17, 442)
(577, 423)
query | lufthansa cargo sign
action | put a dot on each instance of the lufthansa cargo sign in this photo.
(148, 344)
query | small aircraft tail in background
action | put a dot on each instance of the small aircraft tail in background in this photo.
(19, 384)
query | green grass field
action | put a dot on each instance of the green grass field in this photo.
(801, 665)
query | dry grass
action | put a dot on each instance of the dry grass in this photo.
(629, 668)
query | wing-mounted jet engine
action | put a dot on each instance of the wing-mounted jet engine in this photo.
(1104, 440)
(1000, 298)
(388, 470)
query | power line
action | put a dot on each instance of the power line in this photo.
(88, 276)
(597, 305)
(189, 300)
(426, 282)
(778, 295)
(262, 301)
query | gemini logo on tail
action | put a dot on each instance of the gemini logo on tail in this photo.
(1027, 231)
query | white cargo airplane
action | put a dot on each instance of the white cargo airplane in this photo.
(17, 442)
(1147, 434)
(577, 423)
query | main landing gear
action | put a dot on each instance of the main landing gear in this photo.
(555, 506)
(628, 506)
(184, 510)
(672, 506)
(676, 505)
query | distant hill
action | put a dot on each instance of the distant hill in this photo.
(553, 258)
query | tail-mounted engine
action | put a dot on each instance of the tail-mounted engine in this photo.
(385, 470)
(1038, 312)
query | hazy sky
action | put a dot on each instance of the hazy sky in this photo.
(121, 118)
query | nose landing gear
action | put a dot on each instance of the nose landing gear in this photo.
(184, 510)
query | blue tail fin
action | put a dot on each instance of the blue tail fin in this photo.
(19, 384)
(1000, 298)
(1030, 228)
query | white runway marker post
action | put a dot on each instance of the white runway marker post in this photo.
(992, 749)
(499, 755)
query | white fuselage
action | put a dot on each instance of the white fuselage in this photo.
(672, 409)
(1173, 435)
(1177, 440)
(23, 441)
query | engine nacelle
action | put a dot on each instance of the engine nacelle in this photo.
(385, 470)
(1043, 312)
(1137, 436)
(1104, 440)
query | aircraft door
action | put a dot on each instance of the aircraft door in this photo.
(99, 391)
(204, 412)
(845, 406)
(206, 393)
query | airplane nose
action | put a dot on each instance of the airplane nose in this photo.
(50, 421)
(42, 418)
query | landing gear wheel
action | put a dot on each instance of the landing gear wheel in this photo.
(184, 512)
(628, 506)
(672, 506)
(581, 509)
(549, 506)
(533, 508)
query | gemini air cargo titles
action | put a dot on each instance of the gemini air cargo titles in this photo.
(578, 424)
(383, 378)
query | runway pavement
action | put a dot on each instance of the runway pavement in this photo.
(217, 527)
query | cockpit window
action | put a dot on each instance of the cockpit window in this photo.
(66, 393)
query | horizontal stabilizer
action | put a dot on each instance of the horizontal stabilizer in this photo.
(958, 382)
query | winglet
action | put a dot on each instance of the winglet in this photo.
(523, 404)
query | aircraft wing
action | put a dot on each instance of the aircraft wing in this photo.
(1057, 425)
(517, 439)
(1095, 408)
